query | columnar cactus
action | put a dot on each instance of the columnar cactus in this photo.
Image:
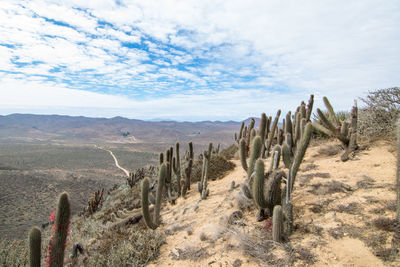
(202, 185)
(339, 129)
(176, 166)
(272, 133)
(153, 224)
(188, 170)
(35, 247)
(58, 241)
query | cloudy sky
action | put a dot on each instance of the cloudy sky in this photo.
(193, 60)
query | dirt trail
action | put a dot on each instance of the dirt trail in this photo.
(333, 226)
(116, 160)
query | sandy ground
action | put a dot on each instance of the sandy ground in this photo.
(333, 234)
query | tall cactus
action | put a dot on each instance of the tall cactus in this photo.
(202, 185)
(153, 224)
(188, 170)
(56, 256)
(35, 247)
(176, 166)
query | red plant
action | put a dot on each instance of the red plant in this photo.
(268, 225)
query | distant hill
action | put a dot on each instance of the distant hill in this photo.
(69, 129)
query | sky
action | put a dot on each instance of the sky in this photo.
(193, 60)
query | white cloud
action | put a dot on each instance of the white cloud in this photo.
(336, 48)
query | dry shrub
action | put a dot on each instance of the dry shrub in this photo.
(351, 208)
(242, 202)
(190, 253)
(134, 246)
(329, 150)
(385, 224)
(378, 118)
(229, 152)
(219, 166)
(366, 183)
(14, 253)
(261, 247)
(386, 254)
(309, 167)
(329, 188)
(305, 254)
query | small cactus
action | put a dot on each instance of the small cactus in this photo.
(277, 224)
(35, 247)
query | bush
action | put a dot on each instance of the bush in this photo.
(378, 118)
(229, 152)
(219, 166)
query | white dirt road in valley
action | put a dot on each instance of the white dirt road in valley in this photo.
(116, 160)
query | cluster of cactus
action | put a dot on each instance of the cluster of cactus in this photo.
(265, 187)
(344, 131)
(134, 177)
(95, 201)
(164, 183)
(202, 184)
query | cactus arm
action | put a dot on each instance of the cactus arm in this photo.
(242, 153)
(332, 115)
(321, 128)
(255, 153)
(305, 141)
(258, 185)
(310, 107)
(271, 137)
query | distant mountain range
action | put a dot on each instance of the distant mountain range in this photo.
(69, 129)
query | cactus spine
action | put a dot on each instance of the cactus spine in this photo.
(35, 247)
(61, 231)
(153, 224)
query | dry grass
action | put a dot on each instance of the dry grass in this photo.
(260, 246)
(329, 150)
(329, 188)
(190, 253)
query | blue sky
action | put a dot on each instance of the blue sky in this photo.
(193, 60)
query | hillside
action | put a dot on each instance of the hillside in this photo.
(339, 211)
(343, 216)
(117, 130)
